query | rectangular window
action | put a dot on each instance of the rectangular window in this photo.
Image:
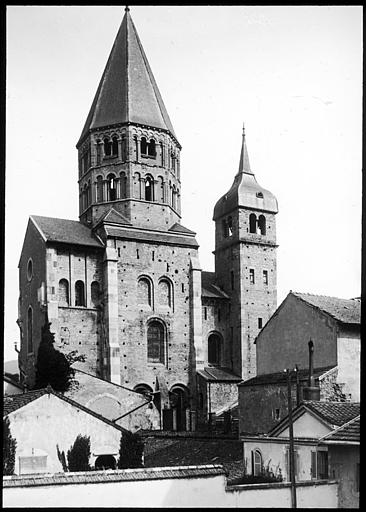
(260, 323)
(251, 276)
(296, 462)
(265, 276)
(319, 465)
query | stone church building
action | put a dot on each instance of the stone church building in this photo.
(123, 284)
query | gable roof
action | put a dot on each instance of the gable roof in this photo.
(214, 374)
(15, 402)
(334, 414)
(111, 216)
(210, 288)
(178, 228)
(127, 91)
(349, 433)
(347, 311)
(65, 231)
(281, 378)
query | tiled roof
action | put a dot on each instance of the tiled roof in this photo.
(335, 413)
(347, 311)
(347, 433)
(14, 402)
(280, 377)
(154, 473)
(214, 374)
(113, 217)
(210, 288)
(65, 231)
(127, 91)
(181, 229)
(153, 236)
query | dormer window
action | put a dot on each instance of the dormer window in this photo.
(260, 195)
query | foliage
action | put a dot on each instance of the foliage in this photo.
(267, 475)
(53, 367)
(79, 454)
(131, 451)
(9, 447)
(62, 458)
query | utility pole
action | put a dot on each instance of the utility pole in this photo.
(291, 438)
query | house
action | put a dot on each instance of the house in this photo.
(333, 327)
(123, 284)
(318, 455)
(45, 423)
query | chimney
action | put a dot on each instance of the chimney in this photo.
(311, 392)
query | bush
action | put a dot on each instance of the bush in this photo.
(9, 447)
(130, 451)
(79, 454)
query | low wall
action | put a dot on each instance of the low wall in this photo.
(185, 486)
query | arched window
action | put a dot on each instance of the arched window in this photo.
(114, 146)
(144, 295)
(124, 149)
(230, 225)
(143, 146)
(252, 223)
(30, 329)
(123, 185)
(162, 154)
(149, 189)
(160, 189)
(112, 189)
(174, 198)
(165, 293)
(179, 401)
(95, 293)
(98, 146)
(144, 389)
(99, 189)
(262, 225)
(89, 193)
(257, 462)
(63, 292)
(107, 147)
(105, 462)
(155, 342)
(79, 294)
(214, 349)
(136, 186)
(152, 148)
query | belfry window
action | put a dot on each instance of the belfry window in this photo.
(149, 189)
(115, 146)
(79, 293)
(112, 189)
(155, 342)
(230, 225)
(252, 223)
(151, 150)
(107, 147)
(143, 146)
(99, 189)
(261, 225)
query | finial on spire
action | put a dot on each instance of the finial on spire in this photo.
(243, 131)
(127, 8)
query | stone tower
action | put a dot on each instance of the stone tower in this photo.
(245, 261)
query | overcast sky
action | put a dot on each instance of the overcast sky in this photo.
(292, 74)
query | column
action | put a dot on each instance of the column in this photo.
(195, 292)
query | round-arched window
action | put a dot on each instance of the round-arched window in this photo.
(214, 349)
(155, 342)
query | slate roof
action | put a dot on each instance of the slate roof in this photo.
(156, 473)
(347, 311)
(181, 229)
(335, 413)
(280, 377)
(65, 231)
(127, 92)
(214, 374)
(210, 288)
(347, 433)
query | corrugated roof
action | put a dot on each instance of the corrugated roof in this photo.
(335, 413)
(347, 433)
(280, 377)
(153, 473)
(210, 288)
(66, 231)
(213, 374)
(127, 92)
(347, 311)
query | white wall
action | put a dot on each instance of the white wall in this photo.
(348, 357)
(307, 426)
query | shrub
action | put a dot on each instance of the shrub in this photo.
(130, 451)
(9, 447)
(79, 454)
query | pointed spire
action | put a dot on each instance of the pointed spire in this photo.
(127, 92)
(244, 165)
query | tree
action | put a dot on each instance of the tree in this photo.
(9, 447)
(130, 451)
(79, 454)
(53, 367)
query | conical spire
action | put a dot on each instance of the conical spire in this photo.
(244, 165)
(127, 92)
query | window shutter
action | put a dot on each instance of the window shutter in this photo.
(313, 464)
(252, 452)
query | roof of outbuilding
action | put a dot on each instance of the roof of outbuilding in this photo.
(335, 413)
(214, 374)
(65, 231)
(281, 378)
(347, 311)
(210, 288)
(127, 91)
(347, 433)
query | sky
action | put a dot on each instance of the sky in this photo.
(293, 75)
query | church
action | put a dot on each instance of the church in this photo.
(123, 284)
